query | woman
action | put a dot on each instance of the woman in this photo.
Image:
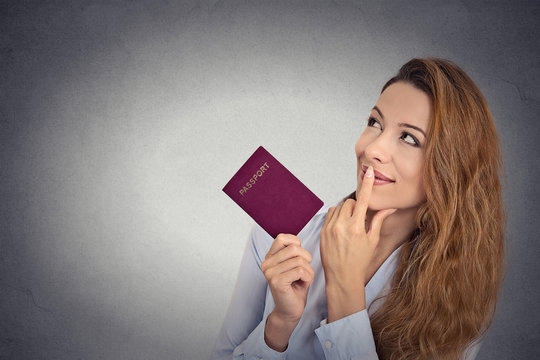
(406, 267)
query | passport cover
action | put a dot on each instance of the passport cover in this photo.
(272, 195)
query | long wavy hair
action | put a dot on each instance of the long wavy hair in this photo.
(444, 290)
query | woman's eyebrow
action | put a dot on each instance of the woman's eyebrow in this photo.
(400, 124)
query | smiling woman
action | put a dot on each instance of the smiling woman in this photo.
(409, 265)
(393, 144)
(447, 280)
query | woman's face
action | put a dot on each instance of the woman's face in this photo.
(393, 142)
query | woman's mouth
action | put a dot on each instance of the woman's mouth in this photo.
(380, 179)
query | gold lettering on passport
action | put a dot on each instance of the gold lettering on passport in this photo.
(254, 179)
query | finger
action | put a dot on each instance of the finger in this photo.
(347, 209)
(364, 195)
(328, 216)
(326, 224)
(308, 277)
(285, 266)
(333, 216)
(341, 211)
(338, 210)
(376, 223)
(304, 274)
(289, 252)
(281, 241)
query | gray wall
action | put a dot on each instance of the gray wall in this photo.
(122, 120)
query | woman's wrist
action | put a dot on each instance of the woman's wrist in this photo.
(277, 332)
(344, 301)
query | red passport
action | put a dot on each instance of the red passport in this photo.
(272, 195)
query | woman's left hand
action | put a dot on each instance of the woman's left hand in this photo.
(346, 250)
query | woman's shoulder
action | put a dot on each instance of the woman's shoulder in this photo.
(259, 241)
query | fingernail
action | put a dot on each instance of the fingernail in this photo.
(369, 171)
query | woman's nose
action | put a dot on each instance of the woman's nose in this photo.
(379, 149)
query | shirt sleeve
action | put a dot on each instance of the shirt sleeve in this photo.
(348, 338)
(242, 333)
(351, 338)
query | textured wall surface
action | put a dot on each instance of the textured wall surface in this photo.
(122, 120)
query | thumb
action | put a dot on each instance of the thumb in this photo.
(377, 221)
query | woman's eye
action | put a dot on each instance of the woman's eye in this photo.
(405, 136)
(374, 123)
(412, 140)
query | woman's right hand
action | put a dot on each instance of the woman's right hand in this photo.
(289, 274)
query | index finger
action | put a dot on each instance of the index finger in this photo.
(282, 241)
(365, 193)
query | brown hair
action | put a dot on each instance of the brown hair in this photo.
(445, 287)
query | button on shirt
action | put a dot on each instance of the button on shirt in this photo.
(242, 333)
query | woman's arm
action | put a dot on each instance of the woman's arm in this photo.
(351, 338)
(348, 338)
(246, 308)
(346, 249)
(242, 332)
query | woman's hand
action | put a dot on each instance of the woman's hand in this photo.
(346, 250)
(289, 274)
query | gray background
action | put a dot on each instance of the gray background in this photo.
(122, 120)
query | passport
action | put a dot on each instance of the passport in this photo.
(272, 195)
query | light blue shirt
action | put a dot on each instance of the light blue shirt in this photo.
(242, 334)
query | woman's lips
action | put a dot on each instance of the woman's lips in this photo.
(379, 178)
